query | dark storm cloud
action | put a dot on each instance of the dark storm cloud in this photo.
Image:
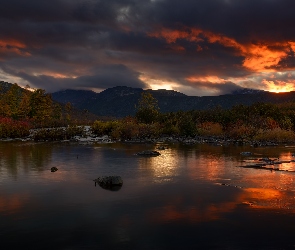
(237, 18)
(217, 88)
(169, 40)
(104, 77)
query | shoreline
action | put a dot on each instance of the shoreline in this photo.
(87, 137)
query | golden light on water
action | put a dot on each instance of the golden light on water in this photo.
(163, 167)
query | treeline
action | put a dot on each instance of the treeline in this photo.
(22, 104)
(23, 108)
(258, 122)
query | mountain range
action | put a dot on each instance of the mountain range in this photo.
(121, 101)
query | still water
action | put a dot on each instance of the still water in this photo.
(189, 197)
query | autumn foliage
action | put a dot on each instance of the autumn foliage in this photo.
(258, 122)
(22, 109)
(13, 129)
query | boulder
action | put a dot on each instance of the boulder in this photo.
(148, 153)
(109, 182)
(54, 169)
(246, 153)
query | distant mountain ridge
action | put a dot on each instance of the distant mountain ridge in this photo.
(247, 91)
(121, 101)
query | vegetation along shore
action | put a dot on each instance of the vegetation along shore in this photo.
(33, 115)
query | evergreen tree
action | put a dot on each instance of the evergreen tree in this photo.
(147, 109)
(40, 106)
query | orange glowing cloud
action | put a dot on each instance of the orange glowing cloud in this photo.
(261, 58)
(12, 46)
(258, 57)
(206, 79)
(279, 86)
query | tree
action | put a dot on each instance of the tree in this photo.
(40, 106)
(147, 108)
(10, 102)
(24, 106)
(68, 109)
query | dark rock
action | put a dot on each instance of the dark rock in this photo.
(246, 153)
(148, 153)
(54, 169)
(110, 182)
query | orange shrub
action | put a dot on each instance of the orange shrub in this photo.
(210, 129)
(13, 129)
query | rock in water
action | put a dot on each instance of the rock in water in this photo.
(109, 182)
(54, 169)
(246, 153)
(148, 153)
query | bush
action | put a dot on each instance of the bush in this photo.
(104, 127)
(58, 134)
(277, 135)
(210, 129)
(148, 130)
(13, 129)
(125, 129)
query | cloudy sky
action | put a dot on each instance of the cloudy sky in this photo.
(198, 47)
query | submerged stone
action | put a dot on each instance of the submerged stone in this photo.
(109, 182)
(246, 153)
(148, 153)
(54, 169)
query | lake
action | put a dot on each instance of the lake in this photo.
(189, 197)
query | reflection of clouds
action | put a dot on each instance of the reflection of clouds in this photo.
(204, 209)
(13, 204)
(122, 229)
(190, 214)
(59, 176)
(270, 189)
(209, 168)
(268, 198)
(163, 167)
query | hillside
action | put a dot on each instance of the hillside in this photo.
(121, 101)
(76, 114)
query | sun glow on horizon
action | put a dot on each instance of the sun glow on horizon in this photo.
(279, 86)
(158, 83)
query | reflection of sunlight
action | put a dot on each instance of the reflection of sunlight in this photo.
(278, 86)
(163, 167)
(158, 83)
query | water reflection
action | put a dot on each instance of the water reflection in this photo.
(188, 194)
(24, 156)
(164, 167)
(13, 204)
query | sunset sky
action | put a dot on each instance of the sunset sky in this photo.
(197, 47)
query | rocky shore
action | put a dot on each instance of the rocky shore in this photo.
(86, 136)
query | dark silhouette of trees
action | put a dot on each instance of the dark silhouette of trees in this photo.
(147, 109)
